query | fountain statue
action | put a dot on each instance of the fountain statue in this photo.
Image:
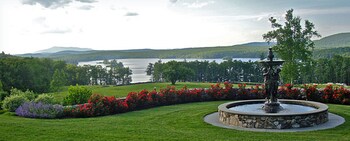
(271, 80)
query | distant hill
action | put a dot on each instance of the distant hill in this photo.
(338, 44)
(259, 44)
(236, 51)
(334, 41)
(60, 49)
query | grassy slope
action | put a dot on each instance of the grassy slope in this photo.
(334, 41)
(177, 122)
(122, 91)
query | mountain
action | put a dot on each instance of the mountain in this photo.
(60, 49)
(333, 41)
(259, 44)
(338, 44)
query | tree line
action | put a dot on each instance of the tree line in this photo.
(325, 70)
(43, 75)
(197, 71)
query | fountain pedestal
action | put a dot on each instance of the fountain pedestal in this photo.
(271, 79)
(272, 107)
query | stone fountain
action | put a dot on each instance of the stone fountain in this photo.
(272, 113)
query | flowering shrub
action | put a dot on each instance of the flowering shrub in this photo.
(242, 92)
(215, 92)
(39, 110)
(155, 99)
(311, 92)
(341, 95)
(30, 95)
(12, 102)
(97, 105)
(45, 98)
(328, 94)
(288, 92)
(169, 94)
(256, 92)
(131, 100)
(104, 105)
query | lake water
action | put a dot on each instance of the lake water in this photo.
(138, 66)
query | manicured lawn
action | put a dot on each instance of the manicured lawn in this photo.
(122, 91)
(177, 122)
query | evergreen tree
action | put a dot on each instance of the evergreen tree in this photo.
(59, 79)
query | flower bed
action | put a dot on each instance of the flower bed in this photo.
(99, 105)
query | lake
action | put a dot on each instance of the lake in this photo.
(138, 66)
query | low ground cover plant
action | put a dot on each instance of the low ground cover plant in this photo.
(39, 110)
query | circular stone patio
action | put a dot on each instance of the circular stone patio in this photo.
(333, 121)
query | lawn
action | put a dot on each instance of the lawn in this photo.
(122, 91)
(176, 122)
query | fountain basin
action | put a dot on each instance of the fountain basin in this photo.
(316, 113)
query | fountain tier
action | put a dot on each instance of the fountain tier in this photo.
(315, 114)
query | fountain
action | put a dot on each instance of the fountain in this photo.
(272, 113)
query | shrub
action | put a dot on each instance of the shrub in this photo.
(39, 110)
(30, 95)
(12, 102)
(98, 105)
(45, 99)
(77, 95)
(3, 94)
(311, 92)
(131, 100)
(170, 95)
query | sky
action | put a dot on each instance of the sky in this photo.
(27, 26)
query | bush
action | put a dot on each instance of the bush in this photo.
(39, 110)
(3, 94)
(45, 99)
(30, 95)
(98, 105)
(77, 95)
(12, 102)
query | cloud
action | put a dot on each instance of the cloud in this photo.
(87, 1)
(321, 11)
(173, 1)
(131, 14)
(197, 4)
(48, 3)
(39, 20)
(86, 7)
(57, 31)
(53, 4)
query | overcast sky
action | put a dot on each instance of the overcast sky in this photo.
(32, 25)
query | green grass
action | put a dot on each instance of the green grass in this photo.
(177, 122)
(122, 91)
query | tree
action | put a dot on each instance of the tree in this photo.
(150, 71)
(294, 44)
(175, 71)
(59, 79)
(158, 71)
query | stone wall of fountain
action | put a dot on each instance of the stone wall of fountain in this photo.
(273, 120)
